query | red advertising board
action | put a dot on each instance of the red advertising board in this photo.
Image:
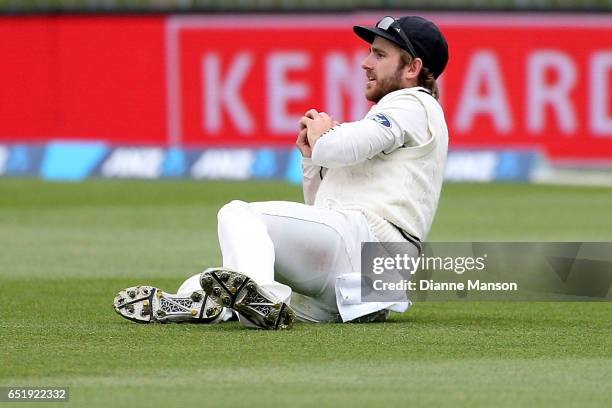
(512, 80)
(99, 78)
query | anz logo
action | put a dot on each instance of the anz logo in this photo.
(382, 119)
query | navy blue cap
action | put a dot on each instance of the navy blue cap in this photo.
(424, 37)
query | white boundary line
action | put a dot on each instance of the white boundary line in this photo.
(173, 82)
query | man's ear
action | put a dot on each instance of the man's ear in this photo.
(414, 68)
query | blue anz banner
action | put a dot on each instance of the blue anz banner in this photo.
(62, 161)
(492, 165)
(71, 161)
(21, 160)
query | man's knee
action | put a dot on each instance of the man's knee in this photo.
(231, 209)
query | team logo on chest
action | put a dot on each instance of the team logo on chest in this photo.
(382, 119)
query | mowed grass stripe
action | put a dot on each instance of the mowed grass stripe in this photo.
(67, 248)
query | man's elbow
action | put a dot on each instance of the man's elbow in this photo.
(327, 162)
(331, 159)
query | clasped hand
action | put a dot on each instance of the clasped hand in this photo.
(312, 126)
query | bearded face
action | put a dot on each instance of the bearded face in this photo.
(379, 86)
(384, 69)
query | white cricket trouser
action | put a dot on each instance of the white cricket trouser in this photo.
(305, 255)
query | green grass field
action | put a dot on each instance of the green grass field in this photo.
(66, 249)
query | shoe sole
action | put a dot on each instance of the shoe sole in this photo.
(148, 304)
(237, 291)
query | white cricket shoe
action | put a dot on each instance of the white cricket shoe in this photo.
(255, 304)
(147, 304)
